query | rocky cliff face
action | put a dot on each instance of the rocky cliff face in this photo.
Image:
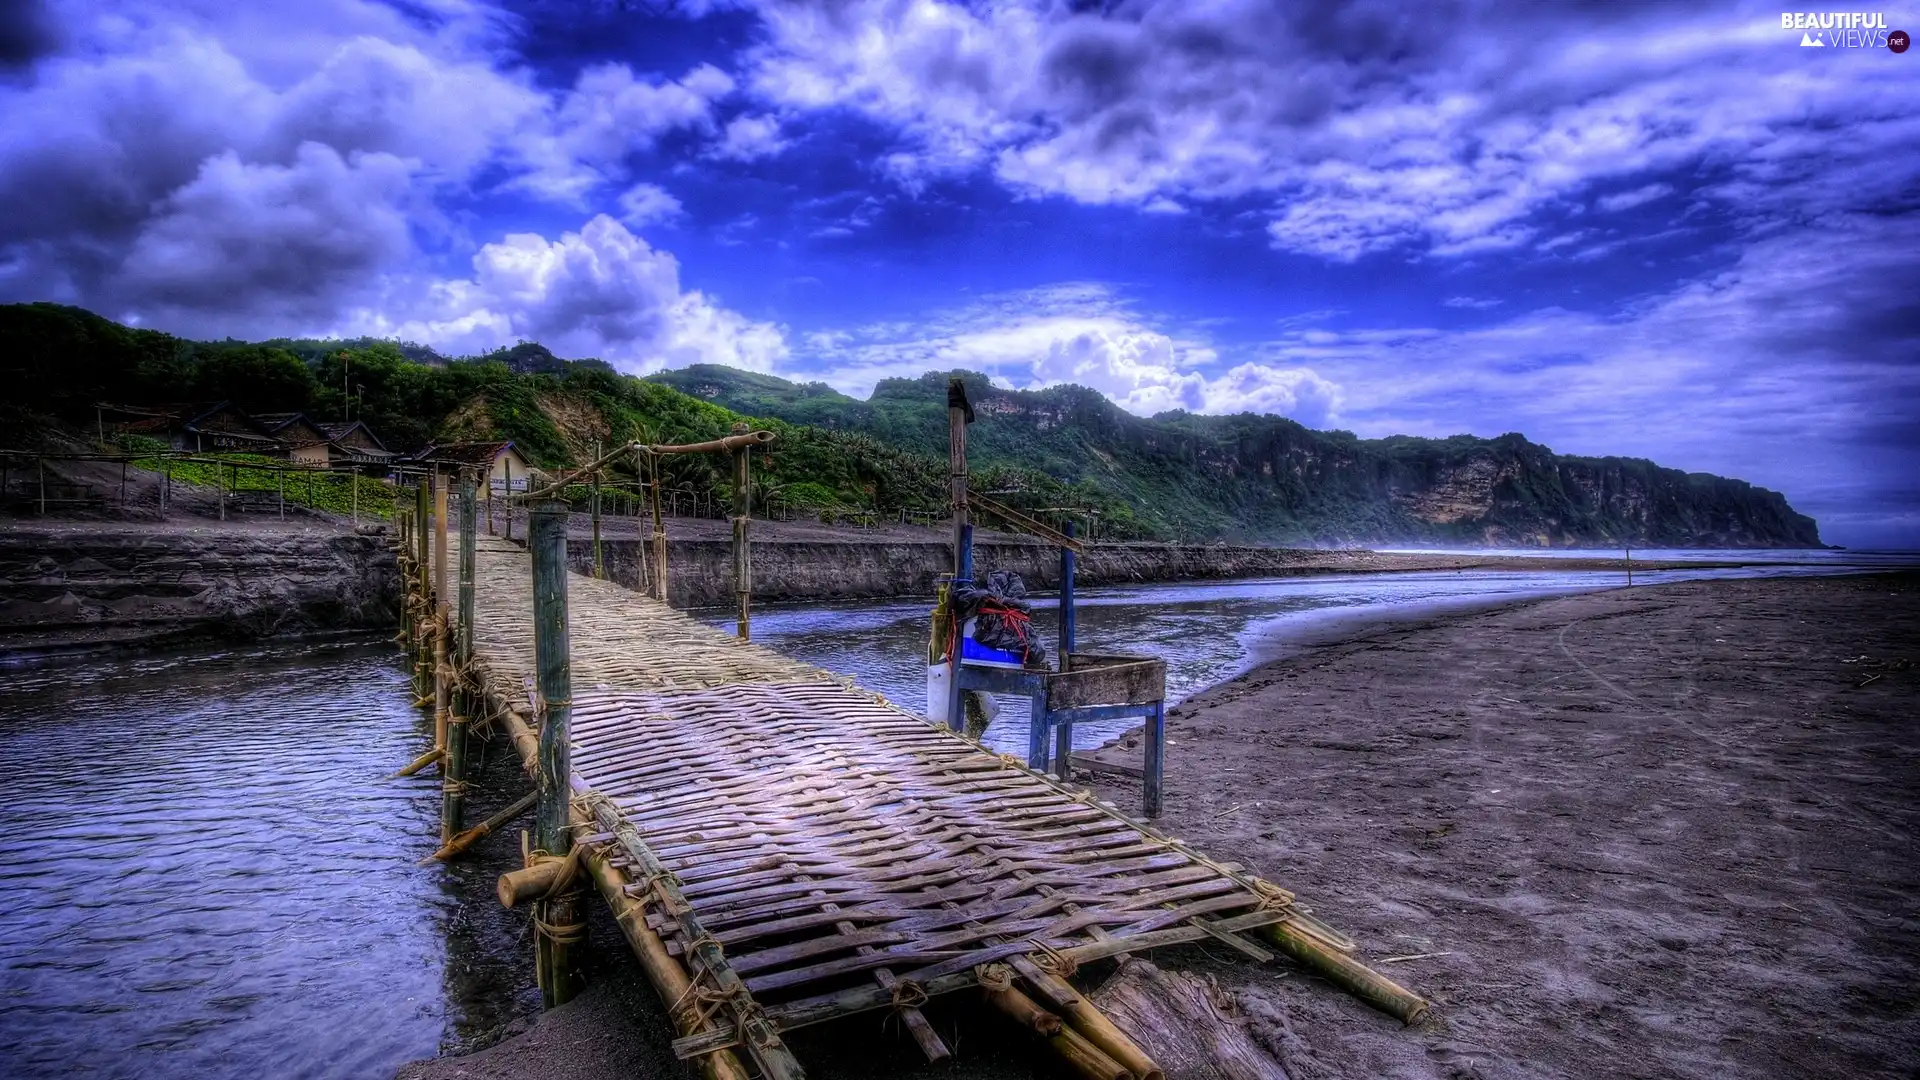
(94, 583)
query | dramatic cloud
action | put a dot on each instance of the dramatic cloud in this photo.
(1081, 334)
(600, 292)
(1368, 125)
(265, 170)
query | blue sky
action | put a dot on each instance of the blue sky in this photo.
(1656, 229)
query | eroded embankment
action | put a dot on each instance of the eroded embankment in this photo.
(700, 571)
(74, 585)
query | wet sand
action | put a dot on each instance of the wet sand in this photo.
(1654, 832)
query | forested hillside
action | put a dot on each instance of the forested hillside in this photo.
(1267, 479)
(1259, 479)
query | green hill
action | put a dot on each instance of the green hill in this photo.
(1266, 479)
(1257, 479)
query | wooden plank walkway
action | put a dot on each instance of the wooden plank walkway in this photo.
(844, 854)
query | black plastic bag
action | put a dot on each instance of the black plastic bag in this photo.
(1004, 618)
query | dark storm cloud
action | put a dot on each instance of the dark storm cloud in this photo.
(26, 32)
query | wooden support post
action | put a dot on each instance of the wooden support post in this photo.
(421, 509)
(453, 782)
(508, 466)
(282, 474)
(220, 487)
(659, 534)
(959, 415)
(558, 917)
(742, 514)
(123, 485)
(441, 618)
(1063, 734)
(1156, 754)
(956, 698)
(599, 561)
(166, 484)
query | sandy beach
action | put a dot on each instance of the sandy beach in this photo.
(1658, 832)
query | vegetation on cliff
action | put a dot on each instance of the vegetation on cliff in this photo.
(1260, 479)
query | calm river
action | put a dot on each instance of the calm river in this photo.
(210, 873)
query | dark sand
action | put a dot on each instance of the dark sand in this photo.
(1660, 832)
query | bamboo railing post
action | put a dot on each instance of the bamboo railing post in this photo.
(1063, 732)
(508, 507)
(353, 482)
(442, 617)
(599, 566)
(742, 552)
(282, 474)
(659, 533)
(453, 782)
(557, 918)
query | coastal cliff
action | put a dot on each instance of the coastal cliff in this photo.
(1254, 479)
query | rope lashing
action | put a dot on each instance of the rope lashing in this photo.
(994, 978)
(1052, 960)
(908, 994)
(1272, 897)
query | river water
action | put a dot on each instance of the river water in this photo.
(211, 874)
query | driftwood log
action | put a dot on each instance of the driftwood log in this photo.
(1192, 1028)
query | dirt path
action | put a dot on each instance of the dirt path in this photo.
(1662, 832)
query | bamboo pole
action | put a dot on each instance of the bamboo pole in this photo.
(42, 463)
(556, 918)
(659, 534)
(959, 412)
(599, 565)
(742, 551)
(508, 466)
(1356, 978)
(669, 981)
(282, 474)
(453, 784)
(441, 619)
(462, 841)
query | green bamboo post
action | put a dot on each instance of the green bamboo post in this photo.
(220, 487)
(453, 783)
(442, 618)
(742, 554)
(507, 505)
(557, 918)
(599, 567)
(282, 474)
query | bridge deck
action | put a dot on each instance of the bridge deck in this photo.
(843, 853)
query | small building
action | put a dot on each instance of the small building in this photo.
(197, 428)
(301, 440)
(499, 462)
(355, 443)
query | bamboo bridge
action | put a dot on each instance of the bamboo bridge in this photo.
(781, 848)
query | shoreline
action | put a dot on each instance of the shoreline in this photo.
(75, 586)
(1666, 831)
